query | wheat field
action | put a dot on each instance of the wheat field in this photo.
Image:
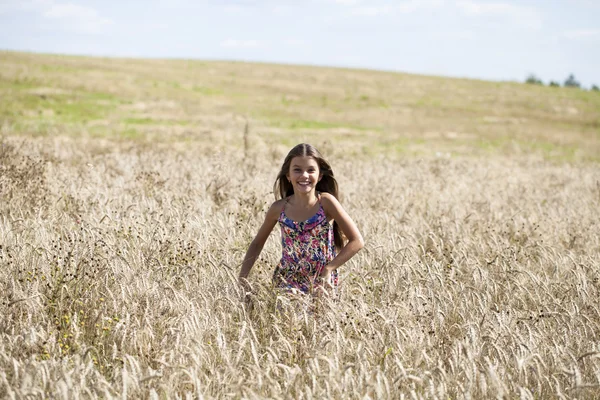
(123, 226)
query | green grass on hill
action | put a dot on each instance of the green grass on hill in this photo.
(382, 112)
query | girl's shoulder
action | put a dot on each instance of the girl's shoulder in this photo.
(275, 209)
(328, 198)
(278, 204)
(330, 204)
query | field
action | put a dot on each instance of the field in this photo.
(131, 189)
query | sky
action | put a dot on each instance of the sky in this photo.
(492, 40)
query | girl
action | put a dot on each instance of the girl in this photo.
(312, 247)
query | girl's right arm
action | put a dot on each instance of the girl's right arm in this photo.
(259, 240)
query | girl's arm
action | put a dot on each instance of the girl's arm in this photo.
(334, 209)
(259, 240)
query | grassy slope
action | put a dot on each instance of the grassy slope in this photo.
(371, 111)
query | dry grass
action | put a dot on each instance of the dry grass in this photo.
(118, 264)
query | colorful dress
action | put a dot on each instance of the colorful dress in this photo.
(306, 248)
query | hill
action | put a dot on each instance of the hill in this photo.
(361, 111)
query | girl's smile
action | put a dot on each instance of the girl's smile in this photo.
(304, 174)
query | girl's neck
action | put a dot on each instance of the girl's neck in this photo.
(307, 200)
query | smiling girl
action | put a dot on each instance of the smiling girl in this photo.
(313, 224)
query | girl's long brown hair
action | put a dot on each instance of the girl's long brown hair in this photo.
(283, 188)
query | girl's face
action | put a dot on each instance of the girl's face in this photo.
(304, 174)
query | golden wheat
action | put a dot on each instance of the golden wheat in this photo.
(119, 260)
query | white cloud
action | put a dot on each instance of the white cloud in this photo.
(347, 2)
(233, 8)
(149, 25)
(453, 34)
(62, 16)
(582, 34)
(371, 11)
(520, 15)
(7, 6)
(283, 10)
(293, 42)
(390, 8)
(474, 8)
(375, 9)
(422, 4)
(240, 43)
(69, 11)
(74, 17)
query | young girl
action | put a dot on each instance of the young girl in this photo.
(313, 225)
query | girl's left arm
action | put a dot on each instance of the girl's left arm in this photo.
(334, 209)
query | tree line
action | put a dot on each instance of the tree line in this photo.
(570, 82)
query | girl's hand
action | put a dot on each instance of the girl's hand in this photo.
(246, 293)
(326, 285)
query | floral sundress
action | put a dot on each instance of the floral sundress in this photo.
(306, 248)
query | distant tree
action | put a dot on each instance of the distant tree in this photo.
(533, 80)
(554, 84)
(595, 88)
(572, 82)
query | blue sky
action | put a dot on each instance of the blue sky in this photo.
(497, 40)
